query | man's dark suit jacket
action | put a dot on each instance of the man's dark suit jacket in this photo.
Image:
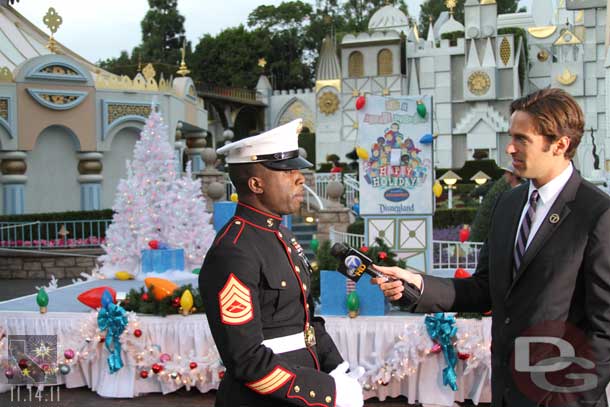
(564, 276)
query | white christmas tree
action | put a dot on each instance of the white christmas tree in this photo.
(154, 203)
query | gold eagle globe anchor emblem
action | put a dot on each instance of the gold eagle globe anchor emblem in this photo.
(479, 83)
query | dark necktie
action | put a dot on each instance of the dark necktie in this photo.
(524, 231)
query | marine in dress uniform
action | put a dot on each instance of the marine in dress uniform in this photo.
(255, 284)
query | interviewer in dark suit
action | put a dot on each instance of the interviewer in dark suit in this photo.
(545, 264)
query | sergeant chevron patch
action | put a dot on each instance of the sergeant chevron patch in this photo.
(235, 302)
(271, 382)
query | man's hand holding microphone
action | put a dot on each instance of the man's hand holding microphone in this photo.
(395, 282)
(392, 282)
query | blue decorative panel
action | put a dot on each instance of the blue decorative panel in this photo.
(59, 71)
(162, 260)
(223, 211)
(57, 99)
(333, 295)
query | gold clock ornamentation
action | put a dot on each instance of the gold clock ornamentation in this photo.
(328, 103)
(479, 83)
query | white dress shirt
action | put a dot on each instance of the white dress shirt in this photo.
(547, 195)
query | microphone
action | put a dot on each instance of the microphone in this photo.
(353, 264)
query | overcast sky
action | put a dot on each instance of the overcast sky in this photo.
(101, 29)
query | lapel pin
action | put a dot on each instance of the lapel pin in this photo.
(554, 218)
(270, 222)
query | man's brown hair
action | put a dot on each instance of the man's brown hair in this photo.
(556, 114)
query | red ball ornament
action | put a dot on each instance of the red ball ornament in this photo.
(461, 273)
(360, 102)
(153, 244)
(193, 365)
(137, 333)
(382, 255)
(145, 297)
(156, 368)
(102, 339)
(221, 374)
(176, 302)
(364, 249)
(436, 348)
(23, 363)
(463, 356)
(144, 374)
(464, 234)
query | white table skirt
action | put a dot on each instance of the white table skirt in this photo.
(366, 341)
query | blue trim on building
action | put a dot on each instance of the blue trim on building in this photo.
(90, 196)
(13, 199)
(36, 95)
(36, 72)
(9, 124)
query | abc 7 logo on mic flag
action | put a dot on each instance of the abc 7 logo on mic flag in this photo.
(352, 265)
(552, 364)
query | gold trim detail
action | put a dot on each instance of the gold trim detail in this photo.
(53, 21)
(479, 83)
(566, 78)
(485, 2)
(328, 103)
(542, 32)
(118, 110)
(505, 50)
(149, 72)
(5, 74)
(59, 70)
(4, 109)
(335, 83)
(567, 38)
(183, 70)
(542, 55)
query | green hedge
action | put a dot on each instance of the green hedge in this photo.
(357, 227)
(444, 218)
(58, 216)
(470, 168)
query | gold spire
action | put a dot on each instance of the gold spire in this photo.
(450, 4)
(183, 70)
(52, 20)
(262, 62)
(139, 62)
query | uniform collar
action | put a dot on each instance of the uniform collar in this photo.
(258, 217)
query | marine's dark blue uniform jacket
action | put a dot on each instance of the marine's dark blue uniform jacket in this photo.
(256, 286)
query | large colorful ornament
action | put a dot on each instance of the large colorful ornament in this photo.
(153, 244)
(362, 153)
(93, 297)
(464, 233)
(186, 302)
(426, 139)
(360, 102)
(461, 273)
(160, 287)
(353, 304)
(123, 275)
(437, 189)
(421, 109)
(42, 299)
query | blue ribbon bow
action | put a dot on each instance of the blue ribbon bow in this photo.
(113, 318)
(441, 329)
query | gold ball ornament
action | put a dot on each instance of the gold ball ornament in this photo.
(234, 197)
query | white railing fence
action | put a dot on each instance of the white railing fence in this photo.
(322, 180)
(352, 189)
(446, 255)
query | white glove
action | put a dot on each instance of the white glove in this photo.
(349, 391)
